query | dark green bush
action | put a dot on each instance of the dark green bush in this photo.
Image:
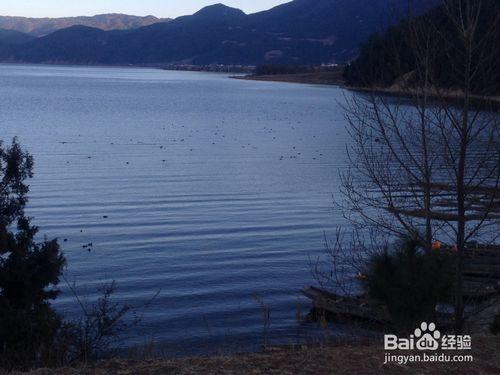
(409, 281)
(29, 271)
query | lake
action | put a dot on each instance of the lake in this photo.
(215, 191)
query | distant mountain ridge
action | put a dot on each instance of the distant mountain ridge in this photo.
(45, 26)
(14, 37)
(298, 32)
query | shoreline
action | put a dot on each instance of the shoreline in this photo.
(316, 78)
(335, 79)
(363, 358)
(229, 69)
(486, 103)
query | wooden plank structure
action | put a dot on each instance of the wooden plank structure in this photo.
(485, 200)
(358, 308)
(482, 271)
(481, 284)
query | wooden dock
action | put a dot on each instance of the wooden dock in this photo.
(481, 286)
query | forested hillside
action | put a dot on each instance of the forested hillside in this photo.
(387, 58)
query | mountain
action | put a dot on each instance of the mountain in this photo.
(298, 32)
(386, 57)
(44, 26)
(14, 37)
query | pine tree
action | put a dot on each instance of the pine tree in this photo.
(29, 271)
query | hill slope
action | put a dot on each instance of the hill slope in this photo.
(385, 58)
(44, 26)
(14, 37)
(299, 32)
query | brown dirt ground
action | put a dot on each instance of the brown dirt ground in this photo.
(360, 359)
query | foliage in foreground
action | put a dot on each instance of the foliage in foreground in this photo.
(32, 334)
(410, 281)
(29, 271)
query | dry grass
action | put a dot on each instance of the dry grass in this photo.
(367, 359)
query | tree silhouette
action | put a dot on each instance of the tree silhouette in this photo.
(29, 271)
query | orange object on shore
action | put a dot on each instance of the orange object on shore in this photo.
(360, 276)
(436, 245)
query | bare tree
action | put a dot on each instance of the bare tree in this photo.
(427, 162)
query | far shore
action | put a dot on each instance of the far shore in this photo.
(486, 103)
(331, 78)
(336, 79)
(315, 78)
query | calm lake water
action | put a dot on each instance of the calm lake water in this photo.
(210, 189)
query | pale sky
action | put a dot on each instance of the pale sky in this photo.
(159, 8)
